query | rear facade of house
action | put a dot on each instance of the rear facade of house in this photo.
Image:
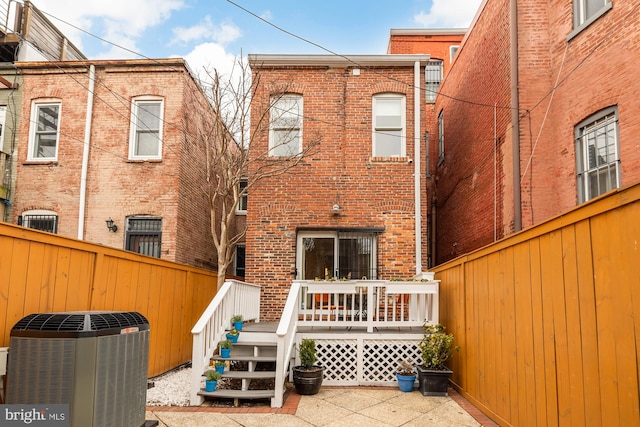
(107, 140)
(349, 209)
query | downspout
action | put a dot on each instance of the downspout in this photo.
(416, 164)
(515, 117)
(85, 153)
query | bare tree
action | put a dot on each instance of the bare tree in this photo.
(234, 145)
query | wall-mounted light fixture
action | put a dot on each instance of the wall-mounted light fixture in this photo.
(335, 209)
(110, 225)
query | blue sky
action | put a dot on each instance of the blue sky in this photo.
(211, 33)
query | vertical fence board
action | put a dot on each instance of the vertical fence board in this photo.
(524, 334)
(493, 359)
(34, 278)
(588, 326)
(574, 332)
(17, 278)
(537, 310)
(473, 336)
(509, 337)
(6, 267)
(62, 279)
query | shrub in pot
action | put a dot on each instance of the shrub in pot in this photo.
(233, 335)
(220, 365)
(406, 376)
(237, 321)
(436, 347)
(225, 348)
(212, 380)
(307, 377)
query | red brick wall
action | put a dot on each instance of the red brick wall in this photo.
(372, 193)
(594, 70)
(116, 187)
(436, 45)
(478, 80)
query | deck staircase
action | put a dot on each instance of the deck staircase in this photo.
(252, 362)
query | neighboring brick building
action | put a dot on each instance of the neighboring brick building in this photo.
(144, 164)
(349, 209)
(575, 111)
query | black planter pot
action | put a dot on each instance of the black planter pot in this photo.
(433, 382)
(307, 380)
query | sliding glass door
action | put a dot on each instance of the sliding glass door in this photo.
(336, 254)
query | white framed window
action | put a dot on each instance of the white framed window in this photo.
(39, 219)
(285, 130)
(587, 11)
(44, 130)
(432, 78)
(441, 137)
(242, 202)
(597, 154)
(453, 49)
(145, 140)
(389, 122)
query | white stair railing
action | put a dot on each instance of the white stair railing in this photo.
(234, 297)
(286, 336)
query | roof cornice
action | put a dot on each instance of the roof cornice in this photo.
(428, 31)
(274, 60)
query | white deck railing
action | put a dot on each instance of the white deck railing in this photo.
(368, 303)
(233, 298)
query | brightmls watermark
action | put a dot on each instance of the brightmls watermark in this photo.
(34, 415)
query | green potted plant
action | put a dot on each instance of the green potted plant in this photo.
(237, 321)
(225, 348)
(212, 380)
(220, 365)
(436, 348)
(233, 335)
(307, 377)
(406, 375)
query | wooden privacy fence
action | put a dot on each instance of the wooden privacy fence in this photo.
(548, 320)
(42, 272)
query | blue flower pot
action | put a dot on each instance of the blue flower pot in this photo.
(406, 382)
(238, 325)
(225, 352)
(210, 385)
(220, 369)
(233, 338)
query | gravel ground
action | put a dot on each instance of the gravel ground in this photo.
(171, 389)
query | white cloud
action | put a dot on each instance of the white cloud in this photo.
(206, 30)
(118, 21)
(210, 55)
(448, 14)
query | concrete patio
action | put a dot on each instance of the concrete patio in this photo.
(335, 406)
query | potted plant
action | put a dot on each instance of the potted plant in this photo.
(406, 376)
(307, 377)
(220, 365)
(436, 347)
(237, 321)
(233, 335)
(225, 348)
(212, 380)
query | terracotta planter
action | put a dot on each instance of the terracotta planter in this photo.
(307, 381)
(433, 382)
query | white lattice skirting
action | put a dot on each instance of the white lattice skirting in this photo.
(369, 359)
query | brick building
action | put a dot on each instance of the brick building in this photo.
(109, 139)
(556, 90)
(350, 208)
